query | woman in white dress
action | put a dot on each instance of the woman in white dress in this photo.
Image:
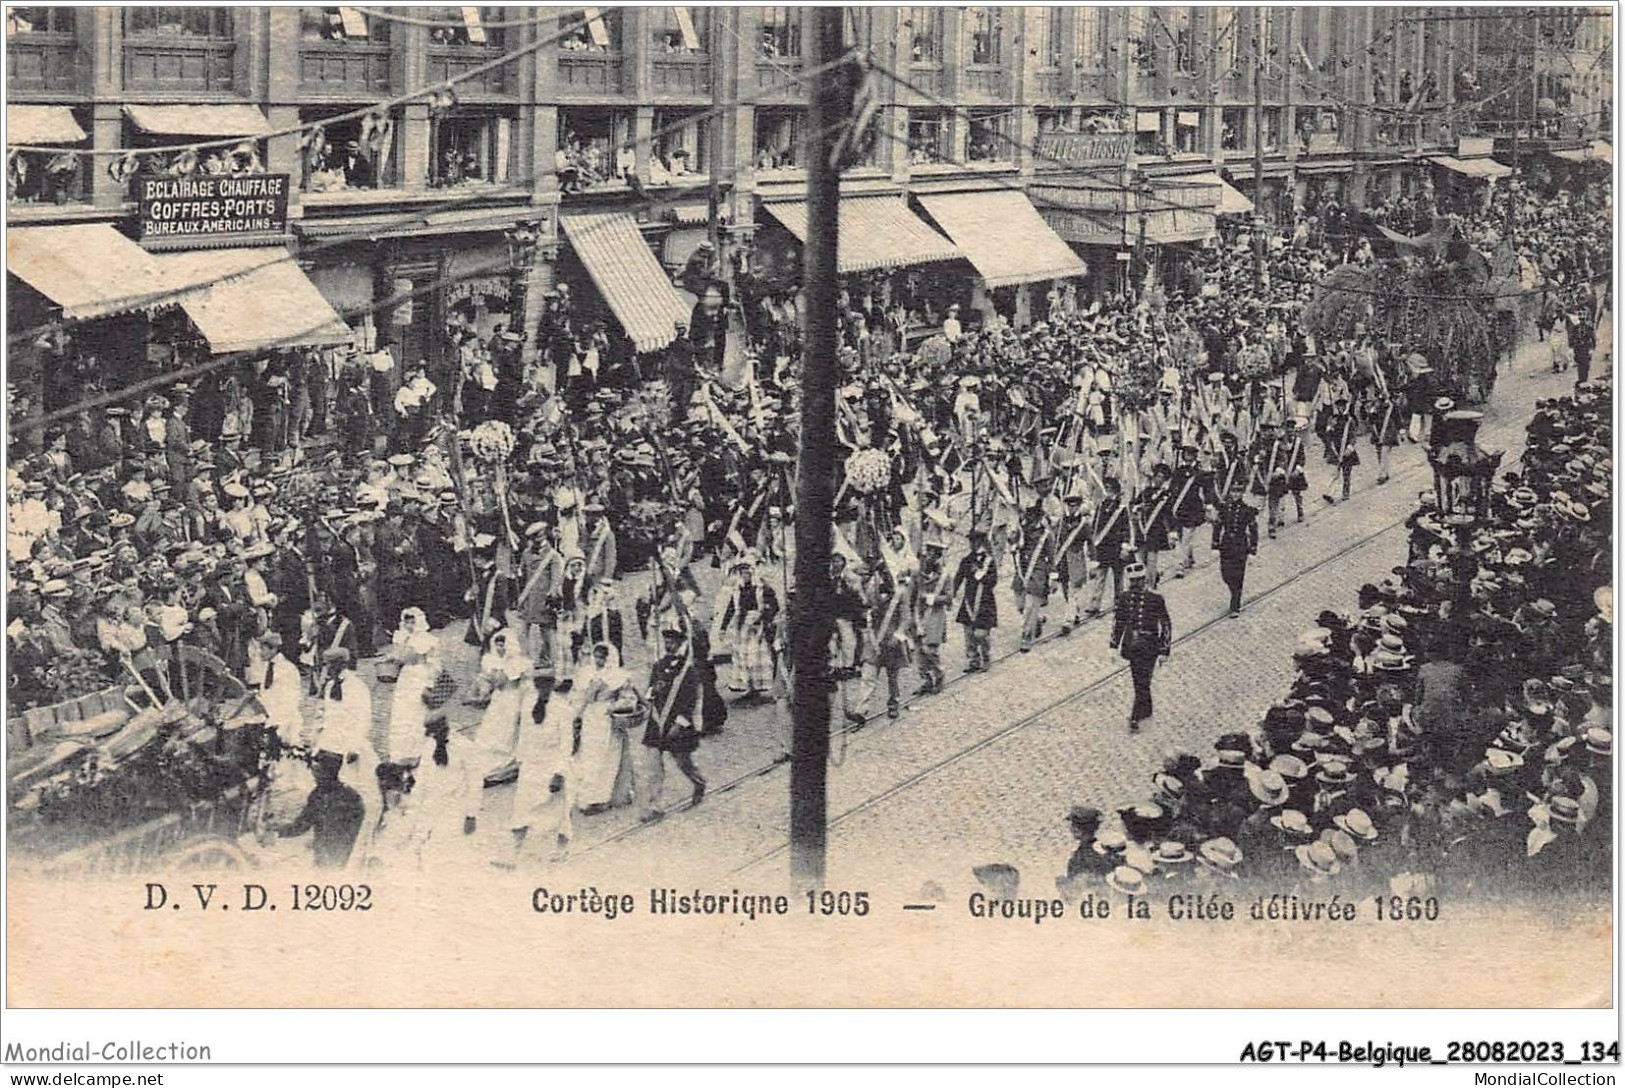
(415, 649)
(438, 814)
(603, 749)
(505, 671)
(549, 771)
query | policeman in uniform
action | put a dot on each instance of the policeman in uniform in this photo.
(1143, 634)
(1235, 537)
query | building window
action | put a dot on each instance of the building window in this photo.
(986, 45)
(1187, 127)
(1089, 38)
(237, 160)
(679, 29)
(39, 21)
(471, 147)
(595, 148)
(987, 139)
(1049, 37)
(1148, 133)
(681, 148)
(466, 26)
(1233, 128)
(178, 22)
(927, 136)
(781, 32)
(342, 25)
(591, 30)
(350, 153)
(779, 134)
(50, 177)
(924, 28)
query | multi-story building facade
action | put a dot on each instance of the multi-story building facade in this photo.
(1124, 126)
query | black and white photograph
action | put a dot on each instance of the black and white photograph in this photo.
(1024, 486)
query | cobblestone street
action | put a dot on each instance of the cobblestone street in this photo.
(986, 771)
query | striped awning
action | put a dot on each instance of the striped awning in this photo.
(42, 125)
(229, 120)
(251, 299)
(89, 270)
(626, 273)
(983, 225)
(875, 232)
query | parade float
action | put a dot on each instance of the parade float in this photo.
(165, 772)
(1436, 297)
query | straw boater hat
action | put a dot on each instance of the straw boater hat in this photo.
(1319, 858)
(1127, 880)
(1219, 854)
(1357, 824)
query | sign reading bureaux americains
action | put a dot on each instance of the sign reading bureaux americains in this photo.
(208, 208)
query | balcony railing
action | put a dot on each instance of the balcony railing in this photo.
(43, 62)
(681, 75)
(448, 62)
(1046, 84)
(927, 76)
(179, 65)
(350, 66)
(590, 73)
(780, 77)
(984, 79)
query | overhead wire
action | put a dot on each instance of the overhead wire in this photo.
(382, 105)
(174, 295)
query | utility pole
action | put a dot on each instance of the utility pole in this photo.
(1517, 123)
(1258, 150)
(812, 609)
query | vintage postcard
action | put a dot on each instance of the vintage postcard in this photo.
(871, 507)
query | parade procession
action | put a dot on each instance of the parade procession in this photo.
(417, 472)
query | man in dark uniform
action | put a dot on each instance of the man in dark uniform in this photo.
(1231, 466)
(1193, 491)
(1111, 531)
(334, 811)
(674, 692)
(1154, 515)
(1142, 633)
(1235, 537)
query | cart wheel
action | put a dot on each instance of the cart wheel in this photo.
(210, 855)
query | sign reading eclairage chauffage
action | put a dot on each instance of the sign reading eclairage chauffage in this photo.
(208, 207)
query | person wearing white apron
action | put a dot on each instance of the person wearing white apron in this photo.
(603, 750)
(346, 729)
(414, 647)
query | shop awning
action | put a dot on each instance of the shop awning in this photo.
(42, 125)
(233, 120)
(251, 299)
(875, 232)
(1603, 150)
(1573, 154)
(689, 215)
(624, 269)
(1232, 201)
(1473, 168)
(986, 227)
(90, 270)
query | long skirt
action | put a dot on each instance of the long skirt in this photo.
(604, 761)
(752, 662)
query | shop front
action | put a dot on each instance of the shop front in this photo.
(1014, 252)
(890, 263)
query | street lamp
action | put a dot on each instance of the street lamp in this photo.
(521, 241)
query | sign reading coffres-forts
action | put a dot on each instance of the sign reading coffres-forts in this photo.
(208, 208)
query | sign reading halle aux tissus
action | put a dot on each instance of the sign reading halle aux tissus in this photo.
(213, 209)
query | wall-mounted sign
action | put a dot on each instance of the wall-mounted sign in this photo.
(1058, 148)
(206, 209)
